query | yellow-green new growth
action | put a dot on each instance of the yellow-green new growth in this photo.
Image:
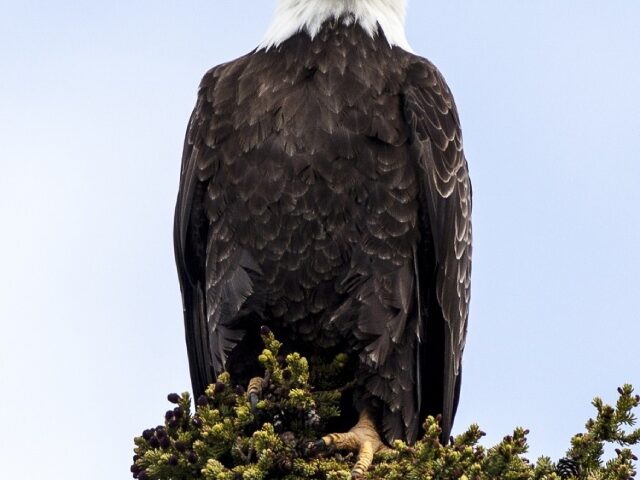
(226, 440)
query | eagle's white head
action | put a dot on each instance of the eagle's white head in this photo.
(293, 16)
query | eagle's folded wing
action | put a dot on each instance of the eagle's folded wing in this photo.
(436, 143)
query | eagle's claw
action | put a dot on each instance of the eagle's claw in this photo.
(253, 400)
(313, 449)
(362, 438)
(253, 393)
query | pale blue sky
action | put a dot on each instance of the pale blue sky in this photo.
(94, 99)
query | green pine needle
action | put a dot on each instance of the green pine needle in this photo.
(225, 440)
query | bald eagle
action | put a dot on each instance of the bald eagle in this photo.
(324, 192)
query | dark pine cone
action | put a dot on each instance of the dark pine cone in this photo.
(568, 468)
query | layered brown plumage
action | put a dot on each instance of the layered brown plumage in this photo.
(324, 192)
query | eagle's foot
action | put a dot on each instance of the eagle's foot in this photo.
(254, 390)
(362, 438)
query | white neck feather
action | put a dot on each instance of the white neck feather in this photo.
(293, 16)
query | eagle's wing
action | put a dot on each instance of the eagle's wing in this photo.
(444, 255)
(190, 239)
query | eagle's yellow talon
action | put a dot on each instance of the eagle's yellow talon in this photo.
(362, 438)
(254, 390)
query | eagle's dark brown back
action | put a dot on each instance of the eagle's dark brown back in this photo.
(324, 188)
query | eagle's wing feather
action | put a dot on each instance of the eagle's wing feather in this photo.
(189, 232)
(444, 254)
